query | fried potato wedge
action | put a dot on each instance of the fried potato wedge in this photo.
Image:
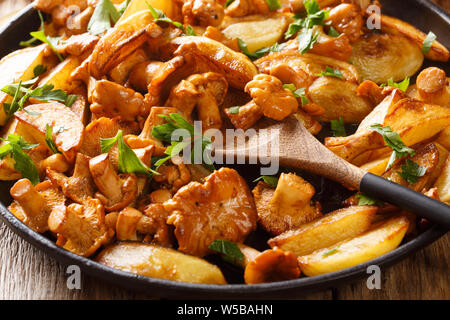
(372, 244)
(119, 42)
(416, 121)
(59, 77)
(158, 262)
(396, 26)
(431, 157)
(19, 65)
(326, 231)
(413, 120)
(377, 167)
(379, 57)
(167, 6)
(443, 182)
(58, 116)
(260, 33)
(339, 99)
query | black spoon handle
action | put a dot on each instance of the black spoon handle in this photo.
(407, 199)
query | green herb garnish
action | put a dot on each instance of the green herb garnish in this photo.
(128, 160)
(338, 127)
(15, 146)
(404, 85)
(332, 32)
(393, 140)
(365, 200)
(412, 172)
(104, 13)
(165, 131)
(329, 72)
(229, 250)
(160, 16)
(331, 252)
(270, 180)
(298, 93)
(234, 110)
(49, 139)
(428, 42)
(41, 36)
(273, 4)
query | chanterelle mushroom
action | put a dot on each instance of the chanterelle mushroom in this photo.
(195, 210)
(33, 204)
(79, 187)
(240, 8)
(202, 12)
(81, 229)
(110, 99)
(268, 266)
(117, 191)
(130, 222)
(269, 99)
(286, 207)
(206, 92)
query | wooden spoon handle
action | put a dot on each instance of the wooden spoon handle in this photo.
(407, 199)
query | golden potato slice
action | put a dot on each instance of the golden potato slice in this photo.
(413, 120)
(396, 26)
(374, 243)
(260, 33)
(57, 116)
(431, 157)
(326, 231)
(158, 262)
(19, 65)
(379, 57)
(7, 171)
(339, 99)
(444, 138)
(443, 182)
(377, 167)
(416, 121)
(59, 77)
(167, 6)
(119, 42)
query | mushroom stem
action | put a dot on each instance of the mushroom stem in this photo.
(106, 178)
(268, 266)
(32, 202)
(249, 253)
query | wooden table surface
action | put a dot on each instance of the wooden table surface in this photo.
(27, 273)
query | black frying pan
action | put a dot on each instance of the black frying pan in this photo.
(423, 14)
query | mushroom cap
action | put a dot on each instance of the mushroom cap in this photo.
(272, 265)
(211, 55)
(57, 116)
(221, 208)
(80, 187)
(81, 229)
(275, 101)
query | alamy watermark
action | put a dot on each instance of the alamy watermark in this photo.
(73, 281)
(374, 280)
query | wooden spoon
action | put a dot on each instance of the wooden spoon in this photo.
(299, 149)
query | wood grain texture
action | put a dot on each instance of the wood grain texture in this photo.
(27, 273)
